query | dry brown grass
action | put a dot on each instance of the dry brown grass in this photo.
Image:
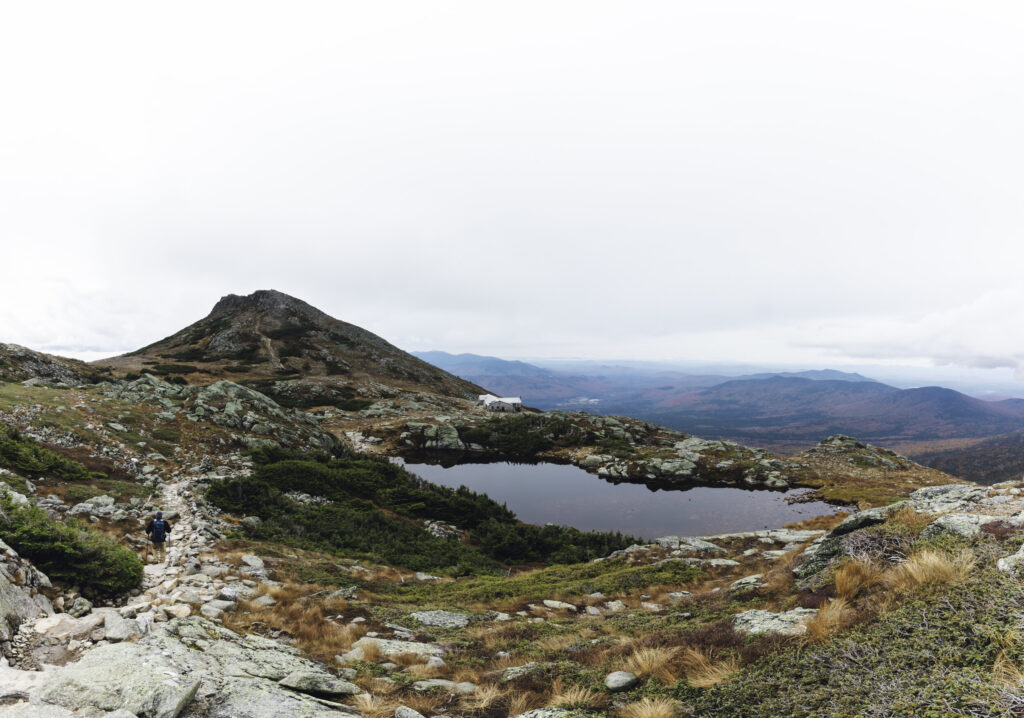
(426, 703)
(554, 644)
(833, 616)
(484, 697)
(421, 671)
(650, 708)
(371, 706)
(406, 659)
(654, 662)
(928, 567)
(305, 620)
(1006, 673)
(778, 581)
(573, 696)
(823, 523)
(523, 701)
(371, 652)
(855, 576)
(703, 671)
(906, 516)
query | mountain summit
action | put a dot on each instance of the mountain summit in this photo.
(271, 335)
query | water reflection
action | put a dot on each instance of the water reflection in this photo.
(565, 494)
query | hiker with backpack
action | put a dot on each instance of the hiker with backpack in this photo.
(158, 531)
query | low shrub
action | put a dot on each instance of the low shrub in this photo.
(26, 456)
(932, 656)
(69, 552)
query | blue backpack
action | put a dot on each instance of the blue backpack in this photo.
(159, 530)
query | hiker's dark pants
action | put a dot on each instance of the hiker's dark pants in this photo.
(159, 550)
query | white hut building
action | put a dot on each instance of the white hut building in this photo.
(500, 403)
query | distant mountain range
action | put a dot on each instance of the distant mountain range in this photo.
(785, 411)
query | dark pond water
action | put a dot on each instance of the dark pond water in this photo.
(567, 495)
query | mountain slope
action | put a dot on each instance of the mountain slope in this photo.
(18, 363)
(271, 336)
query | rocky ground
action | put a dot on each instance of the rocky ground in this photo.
(224, 628)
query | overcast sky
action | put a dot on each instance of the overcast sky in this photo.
(818, 183)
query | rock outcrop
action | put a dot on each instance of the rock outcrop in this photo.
(188, 660)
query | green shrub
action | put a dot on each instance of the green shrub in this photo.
(525, 435)
(26, 456)
(70, 553)
(166, 433)
(175, 369)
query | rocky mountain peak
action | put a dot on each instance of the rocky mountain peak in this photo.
(268, 301)
(269, 335)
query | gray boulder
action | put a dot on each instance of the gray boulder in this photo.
(962, 525)
(1011, 562)
(319, 683)
(389, 647)
(235, 676)
(787, 623)
(620, 681)
(951, 497)
(120, 676)
(441, 619)
(16, 607)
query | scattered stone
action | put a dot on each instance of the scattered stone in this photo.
(79, 607)
(747, 583)
(407, 712)
(559, 605)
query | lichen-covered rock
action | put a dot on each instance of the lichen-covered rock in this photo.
(389, 647)
(963, 525)
(319, 683)
(747, 583)
(16, 606)
(951, 497)
(1011, 562)
(527, 670)
(441, 619)
(787, 623)
(430, 684)
(235, 676)
(120, 676)
(407, 712)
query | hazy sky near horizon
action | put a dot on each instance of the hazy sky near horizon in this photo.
(801, 182)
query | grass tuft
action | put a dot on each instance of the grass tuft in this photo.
(702, 671)
(654, 662)
(650, 708)
(855, 576)
(833, 616)
(929, 566)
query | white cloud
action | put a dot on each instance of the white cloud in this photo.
(792, 181)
